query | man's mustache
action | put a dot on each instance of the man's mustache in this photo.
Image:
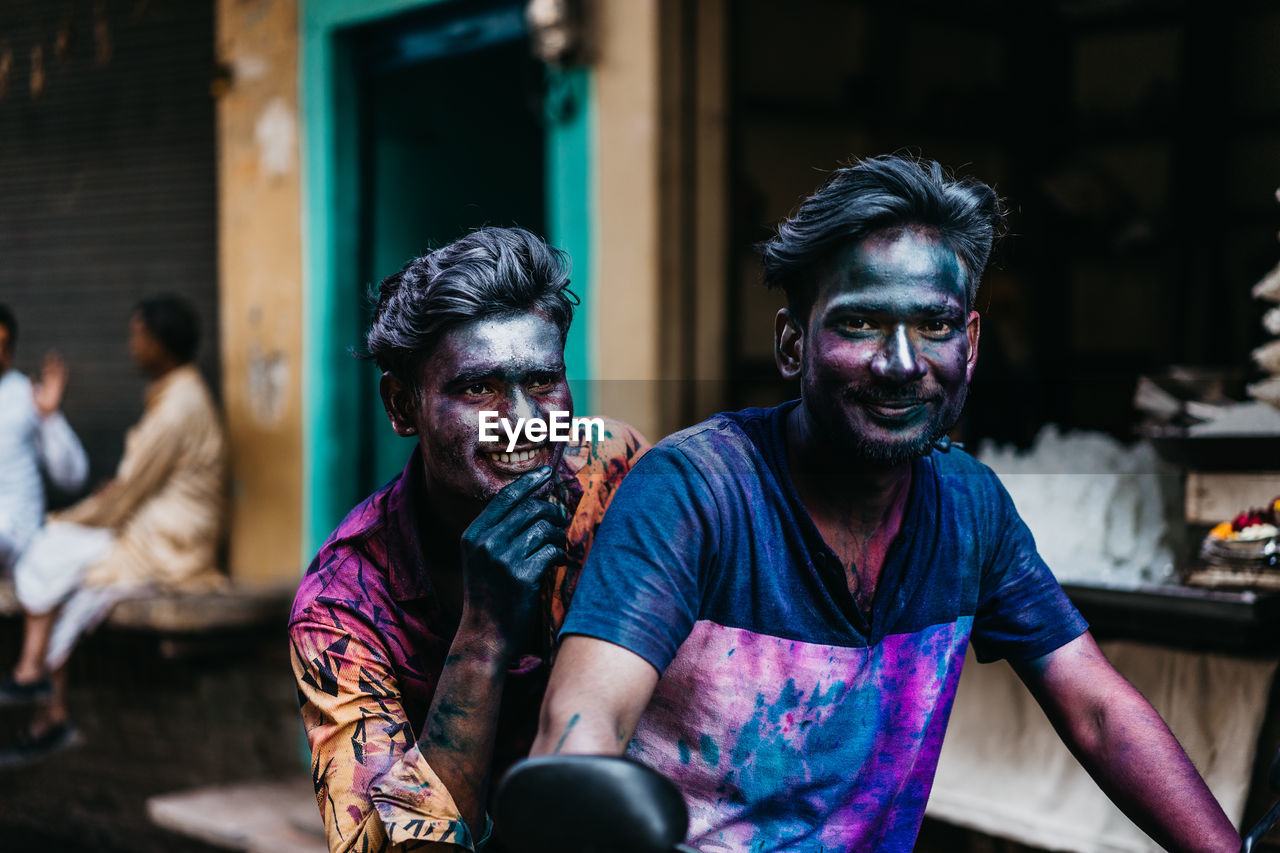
(892, 396)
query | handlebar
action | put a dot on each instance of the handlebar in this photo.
(581, 803)
(588, 803)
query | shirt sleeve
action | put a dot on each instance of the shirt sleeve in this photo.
(61, 454)
(374, 788)
(641, 585)
(1022, 611)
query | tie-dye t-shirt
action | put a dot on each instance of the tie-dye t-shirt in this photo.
(369, 637)
(788, 719)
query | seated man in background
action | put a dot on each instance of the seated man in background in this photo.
(423, 631)
(35, 439)
(157, 522)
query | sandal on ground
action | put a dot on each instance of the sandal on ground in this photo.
(24, 693)
(27, 748)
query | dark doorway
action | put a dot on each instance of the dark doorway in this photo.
(451, 140)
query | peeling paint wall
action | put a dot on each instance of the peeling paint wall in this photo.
(260, 282)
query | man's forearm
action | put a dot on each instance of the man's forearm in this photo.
(586, 731)
(457, 739)
(1141, 766)
(594, 700)
(1129, 751)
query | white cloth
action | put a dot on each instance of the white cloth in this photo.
(54, 564)
(1004, 771)
(51, 572)
(29, 444)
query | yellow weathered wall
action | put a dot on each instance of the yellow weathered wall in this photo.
(658, 314)
(260, 282)
(624, 318)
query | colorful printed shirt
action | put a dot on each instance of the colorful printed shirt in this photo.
(369, 641)
(789, 720)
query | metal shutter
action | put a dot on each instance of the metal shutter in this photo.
(107, 190)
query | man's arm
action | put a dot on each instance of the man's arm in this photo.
(505, 553)
(378, 788)
(1127, 748)
(358, 733)
(594, 700)
(61, 454)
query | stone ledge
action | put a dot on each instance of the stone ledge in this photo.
(258, 817)
(235, 606)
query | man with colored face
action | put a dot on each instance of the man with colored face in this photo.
(423, 632)
(779, 603)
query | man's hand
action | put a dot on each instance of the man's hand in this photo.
(47, 394)
(505, 553)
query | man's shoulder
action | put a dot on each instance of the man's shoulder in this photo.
(603, 449)
(969, 487)
(185, 397)
(16, 388)
(350, 571)
(720, 432)
(960, 470)
(598, 437)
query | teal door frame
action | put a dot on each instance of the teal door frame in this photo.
(332, 322)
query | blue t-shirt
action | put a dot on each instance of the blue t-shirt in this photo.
(788, 719)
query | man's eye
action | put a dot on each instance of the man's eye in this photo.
(857, 324)
(478, 389)
(542, 382)
(936, 327)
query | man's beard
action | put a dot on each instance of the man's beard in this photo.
(889, 454)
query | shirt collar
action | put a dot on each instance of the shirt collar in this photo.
(408, 573)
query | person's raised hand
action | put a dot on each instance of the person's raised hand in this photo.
(47, 393)
(505, 553)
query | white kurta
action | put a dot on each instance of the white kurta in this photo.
(166, 504)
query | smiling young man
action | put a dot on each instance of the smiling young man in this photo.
(779, 602)
(423, 631)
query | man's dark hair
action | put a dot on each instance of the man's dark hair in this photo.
(885, 192)
(173, 322)
(10, 322)
(490, 272)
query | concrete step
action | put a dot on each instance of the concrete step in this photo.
(257, 817)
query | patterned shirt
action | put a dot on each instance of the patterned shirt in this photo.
(369, 641)
(790, 719)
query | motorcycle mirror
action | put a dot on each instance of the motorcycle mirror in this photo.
(587, 803)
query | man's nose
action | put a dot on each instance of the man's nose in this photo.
(897, 359)
(521, 405)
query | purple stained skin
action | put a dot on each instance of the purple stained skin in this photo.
(889, 347)
(513, 365)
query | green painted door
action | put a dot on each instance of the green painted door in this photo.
(424, 119)
(448, 144)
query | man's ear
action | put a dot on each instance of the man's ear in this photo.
(397, 399)
(788, 344)
(972, 329)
